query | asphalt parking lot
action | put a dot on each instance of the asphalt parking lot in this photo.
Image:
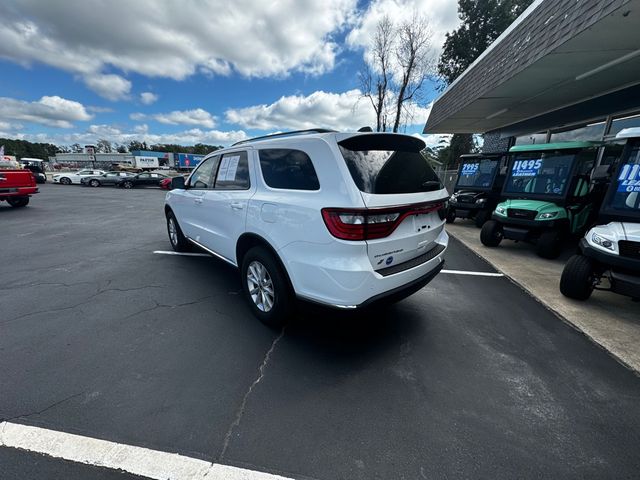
(469, 378)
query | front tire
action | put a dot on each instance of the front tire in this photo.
(491, 234)
(127, 185)
(451, 215)
(65, 181)
(18, 202)
(266, 287)
(577, 278)
(94, 183)
(481, 217)
(178, 241)
(549, 244)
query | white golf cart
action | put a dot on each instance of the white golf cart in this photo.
(610, 251)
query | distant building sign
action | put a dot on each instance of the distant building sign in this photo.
(189, 160)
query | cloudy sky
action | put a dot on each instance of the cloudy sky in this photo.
(209, 71)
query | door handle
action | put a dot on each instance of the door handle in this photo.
(198, 201)
(237, 205)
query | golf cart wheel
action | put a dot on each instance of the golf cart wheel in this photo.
(94, 183)
(577, 280)
(481, 217)
(18, 202)
(451, 215)
(550, 244)
(266, 287)
(491, 234)
(65, 181)
(178, 241)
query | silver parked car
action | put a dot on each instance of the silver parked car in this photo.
(108, 178)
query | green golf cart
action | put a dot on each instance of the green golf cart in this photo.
(548, 196)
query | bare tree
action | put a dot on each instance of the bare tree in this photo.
(380, 73)
(415, 62)
(400, 61)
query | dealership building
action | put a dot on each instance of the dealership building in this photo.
(564, 70)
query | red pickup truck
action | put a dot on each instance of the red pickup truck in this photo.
(16, 186)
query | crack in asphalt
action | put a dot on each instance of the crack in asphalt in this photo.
(240, 413)
(40, 412)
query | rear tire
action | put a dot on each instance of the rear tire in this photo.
(178, 241)
(18, 202)
(577, 278)
(127, 185)
(481, 217)
(65, 181)
(266, 287)
(451, 215)
(491, 234)
(549, 244)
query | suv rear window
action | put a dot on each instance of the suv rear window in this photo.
(288, 169)
(388, 164)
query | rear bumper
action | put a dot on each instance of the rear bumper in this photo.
(17, 192)
(347, 280)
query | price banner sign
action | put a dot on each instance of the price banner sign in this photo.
(469, 169)
(629, 179)
(526, 168)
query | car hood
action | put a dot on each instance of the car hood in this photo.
(632, 231)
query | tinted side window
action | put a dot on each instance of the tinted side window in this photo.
(202, 177)
(233, 172)
(290, 169)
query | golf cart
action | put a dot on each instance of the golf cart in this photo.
(548, 196)
(477, 190)
(611, 250)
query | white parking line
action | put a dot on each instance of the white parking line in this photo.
(135, 460)
(478, 274)
(182, 254)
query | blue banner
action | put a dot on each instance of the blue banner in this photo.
(629, 179)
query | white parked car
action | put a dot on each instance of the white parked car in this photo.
(341, 219)
(68, 178)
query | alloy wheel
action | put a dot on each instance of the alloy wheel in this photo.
(260, 286)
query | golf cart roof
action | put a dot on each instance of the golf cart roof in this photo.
(466, 156)
(541, 147)
(633, 132)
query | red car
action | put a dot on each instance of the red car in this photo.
(165, 184)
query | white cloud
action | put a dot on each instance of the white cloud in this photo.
(196, 116)
(147, 98)
(338, 111)
(173, 39)
(139, 133)
(112, 87)
(52, 111)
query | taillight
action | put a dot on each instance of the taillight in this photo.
(443, 210)
(369, 224)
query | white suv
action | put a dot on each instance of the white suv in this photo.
(341, 219)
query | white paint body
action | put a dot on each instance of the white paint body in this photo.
(321, 267)
(614, 231)
(76, 177)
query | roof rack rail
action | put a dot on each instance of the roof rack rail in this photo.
(285, 134)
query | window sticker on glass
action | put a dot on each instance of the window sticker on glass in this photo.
(629, 179)
(526, 168)
(470, 168)
(228, 169)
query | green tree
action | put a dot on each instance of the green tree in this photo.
(482, 22)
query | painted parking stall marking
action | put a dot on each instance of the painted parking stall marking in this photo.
(140, 461)
(477, 274)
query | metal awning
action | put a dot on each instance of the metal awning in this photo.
(557, 54)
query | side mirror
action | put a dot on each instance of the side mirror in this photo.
(177, 182)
